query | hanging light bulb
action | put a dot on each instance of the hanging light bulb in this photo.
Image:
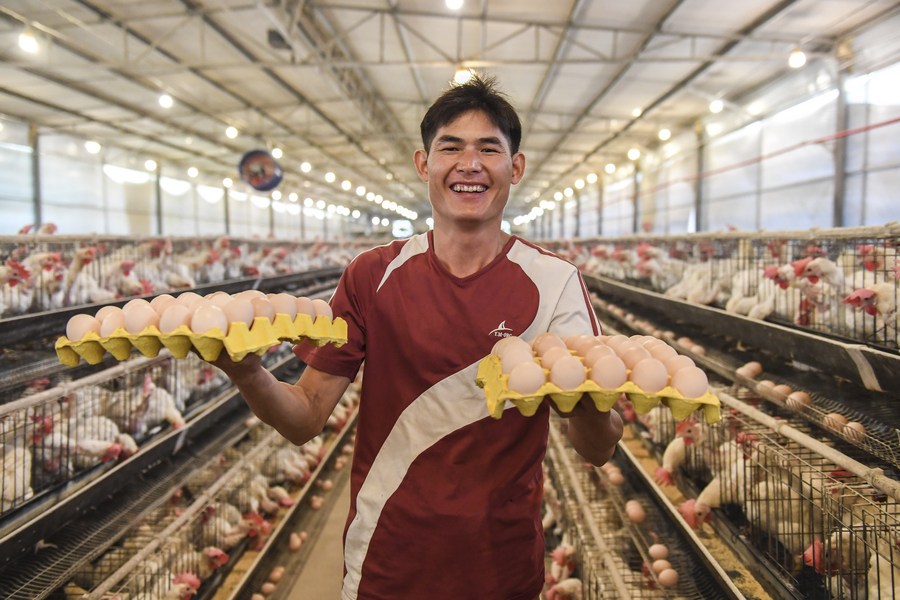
(462, 75)
(634, 154)
(797, 58)
(664, 134)
(716, 106)
(166, 101)
(28, 43)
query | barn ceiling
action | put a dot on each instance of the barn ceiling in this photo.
(343, 84)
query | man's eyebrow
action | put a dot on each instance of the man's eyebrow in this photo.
(452, 139)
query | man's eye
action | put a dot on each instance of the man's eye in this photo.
(491, 150)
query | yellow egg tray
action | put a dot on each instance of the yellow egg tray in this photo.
(491, 378)
(240, 341)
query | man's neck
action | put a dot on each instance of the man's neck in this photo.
(465, 253)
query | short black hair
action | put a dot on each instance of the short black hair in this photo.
(478, 94)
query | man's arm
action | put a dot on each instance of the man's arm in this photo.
(297, 411)
(592, 433)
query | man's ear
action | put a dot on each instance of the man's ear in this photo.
(420, 159)
(518, 164)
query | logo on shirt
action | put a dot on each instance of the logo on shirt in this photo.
(502, 331)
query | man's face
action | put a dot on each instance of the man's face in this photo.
(469, 169)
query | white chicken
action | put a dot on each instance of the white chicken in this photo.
(16, 482)
(687, 433)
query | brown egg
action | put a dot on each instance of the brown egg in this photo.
(526, 377)
(250, 294)
(584, 343)
(276, 574)
(614, 341)
(268, 588)
(263, 308)
(206, 319)
(690, 381)
(685, 341)
(781, 392)
(750, 370)
(549, 358)
(79, 325)
(854, 431)
(284, 304)
(112, 322)
(305, 307)
(797, 400)
(294, 542)
(323, 309)
(668, 578)
(698, 350)
(764, 387)
(135, 302)
(608, 372)
(677, 362)
(634, 355)
(568, 373)
(658, 551)
(835, 421)
(650, 375)
(661, 565)
(545, 341)
(138, 317)
(615, 477)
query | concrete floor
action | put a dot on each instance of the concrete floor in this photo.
(323, 572)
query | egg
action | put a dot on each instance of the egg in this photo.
(113, 321)
(764, 387)
(635, 512)
(263, 308)
(508, 342)
(690, 381)
(660, 565)
(591, 356)
(662, 352)
(268, 588)
(257, 596)
(294, 542)
(781, 392)
(608, 372)
(584, 344)
(138, 317)
(219, 299)
(284, 304)
(634, 355)
(323, 309)
(208, 318)
(855, 432)
(698, 350)
(305, 307)
(239, 310)
(668, 578)
(797, 400)
(276, 574)
(685, 341)
(79, 325)
(679, 361)
(750, 370)
(615, 477)
(545, 341)
(658, 551)
(614, 341)
(552, 355)
(568, 373)
(161, 302)
(250, 294)
(526, 377)
(105, 311)
(650, 375)
(189, 299)
(175, 316)
(834, 421)
(513, 355)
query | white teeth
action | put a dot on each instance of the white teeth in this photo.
(468, 188)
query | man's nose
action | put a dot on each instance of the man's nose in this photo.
(469, 160)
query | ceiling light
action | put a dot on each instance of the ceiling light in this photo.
(462, 75)
(355, 214)
(370, 196)
(277, 152)
(308, 202)
(227, 182)
(636, 112)
(360, 190)
(150, 164)
(592, 178)
(716, 106)
(330, 177)
(610, 168)
(664, 134)
(293, 197)
(714, 129)
(579, 184)
(346, 185)
(192, 172)
(454, 4)
(385, 222)
(389, 176)
(166, 101)
(558, 196)
(276, 195)
(320, 204)
(634, 154)
(231, 132)
(378, 199)
(568, 192)
(92, 147)
(305, 167)
(28, 43)
(797, 58)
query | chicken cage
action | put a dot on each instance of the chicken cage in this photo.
(840, 282)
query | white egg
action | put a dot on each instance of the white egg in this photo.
(614, 341)
(113, 321)
(263, 308)
(135, 302)
(161, 302)
(660, 565)
(634, 355)
(596, 352)
(106, 311)
(835, 421)
(668, 578)
(323, 309)
(635, 512)
(79, 325)
(175, 316)
(678, 362)
(513, 355)
(658, 551)
(305, 307)
(189, 299)
(284, 304)
(662, 351)
(568, 373)
(250, 294)
(855, 432)
(503, 344)
(690, 381)
(608, 372)
(208, 318)
(219, 299)
(138, 317)
(239, 310)
(526, 377)
(650, 375)
(615, 477)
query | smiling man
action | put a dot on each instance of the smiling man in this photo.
(445, 500)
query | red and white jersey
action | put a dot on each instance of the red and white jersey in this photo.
(445, 500)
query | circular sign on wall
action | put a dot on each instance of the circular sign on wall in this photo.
(260, 170)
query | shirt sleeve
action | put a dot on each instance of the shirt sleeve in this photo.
(574, 314)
